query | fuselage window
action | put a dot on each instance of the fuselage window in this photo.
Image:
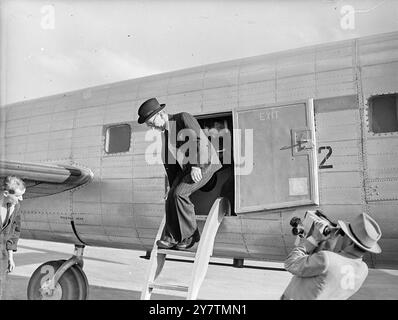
(383, 113)
(117, 138)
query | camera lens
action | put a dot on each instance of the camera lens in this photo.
(326, 231)
(295, 221)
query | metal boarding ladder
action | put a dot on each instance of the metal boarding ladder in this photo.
(220, 208)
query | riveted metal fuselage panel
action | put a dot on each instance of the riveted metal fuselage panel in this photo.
(123, 205)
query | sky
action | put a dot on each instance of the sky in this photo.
(50, 47)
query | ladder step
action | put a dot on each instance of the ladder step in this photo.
(168, 287)
(179, 253)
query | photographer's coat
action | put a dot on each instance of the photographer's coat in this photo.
(324, 275)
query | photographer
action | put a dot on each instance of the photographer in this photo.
(326, 275)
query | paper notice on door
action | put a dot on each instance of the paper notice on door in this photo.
(298, 186)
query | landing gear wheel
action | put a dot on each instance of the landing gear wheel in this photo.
(73, 284)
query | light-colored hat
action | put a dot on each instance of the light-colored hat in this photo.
(364, 231)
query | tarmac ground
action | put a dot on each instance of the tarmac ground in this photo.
(116, 274)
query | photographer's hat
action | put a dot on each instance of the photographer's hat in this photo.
(364, 231)
(148, 109)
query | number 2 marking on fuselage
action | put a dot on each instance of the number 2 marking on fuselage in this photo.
(322, 165)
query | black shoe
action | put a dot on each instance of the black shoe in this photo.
(164, 244)
(189, 242)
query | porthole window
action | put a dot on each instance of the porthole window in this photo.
(383, 113)
(117, 138)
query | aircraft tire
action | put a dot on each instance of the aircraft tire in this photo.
(73, 284)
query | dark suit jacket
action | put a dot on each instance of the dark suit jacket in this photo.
(12, 230)
(204, 154)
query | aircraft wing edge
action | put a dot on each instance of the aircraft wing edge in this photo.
(46, 178)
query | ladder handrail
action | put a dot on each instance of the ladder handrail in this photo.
(212, 224)
(219, 209)
(154, 269)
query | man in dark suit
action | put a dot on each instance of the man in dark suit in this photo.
(190, 161)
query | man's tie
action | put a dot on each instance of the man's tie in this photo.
(170, 149)
(166, 147)
(7, 215)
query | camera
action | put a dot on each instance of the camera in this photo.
(304, 228)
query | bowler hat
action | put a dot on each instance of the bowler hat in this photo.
(148, 109)
(364, 231)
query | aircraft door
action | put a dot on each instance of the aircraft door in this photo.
(274, 157)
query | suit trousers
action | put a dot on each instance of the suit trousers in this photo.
(180, 211)
(3, 266)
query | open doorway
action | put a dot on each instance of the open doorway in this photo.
(219, 130)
